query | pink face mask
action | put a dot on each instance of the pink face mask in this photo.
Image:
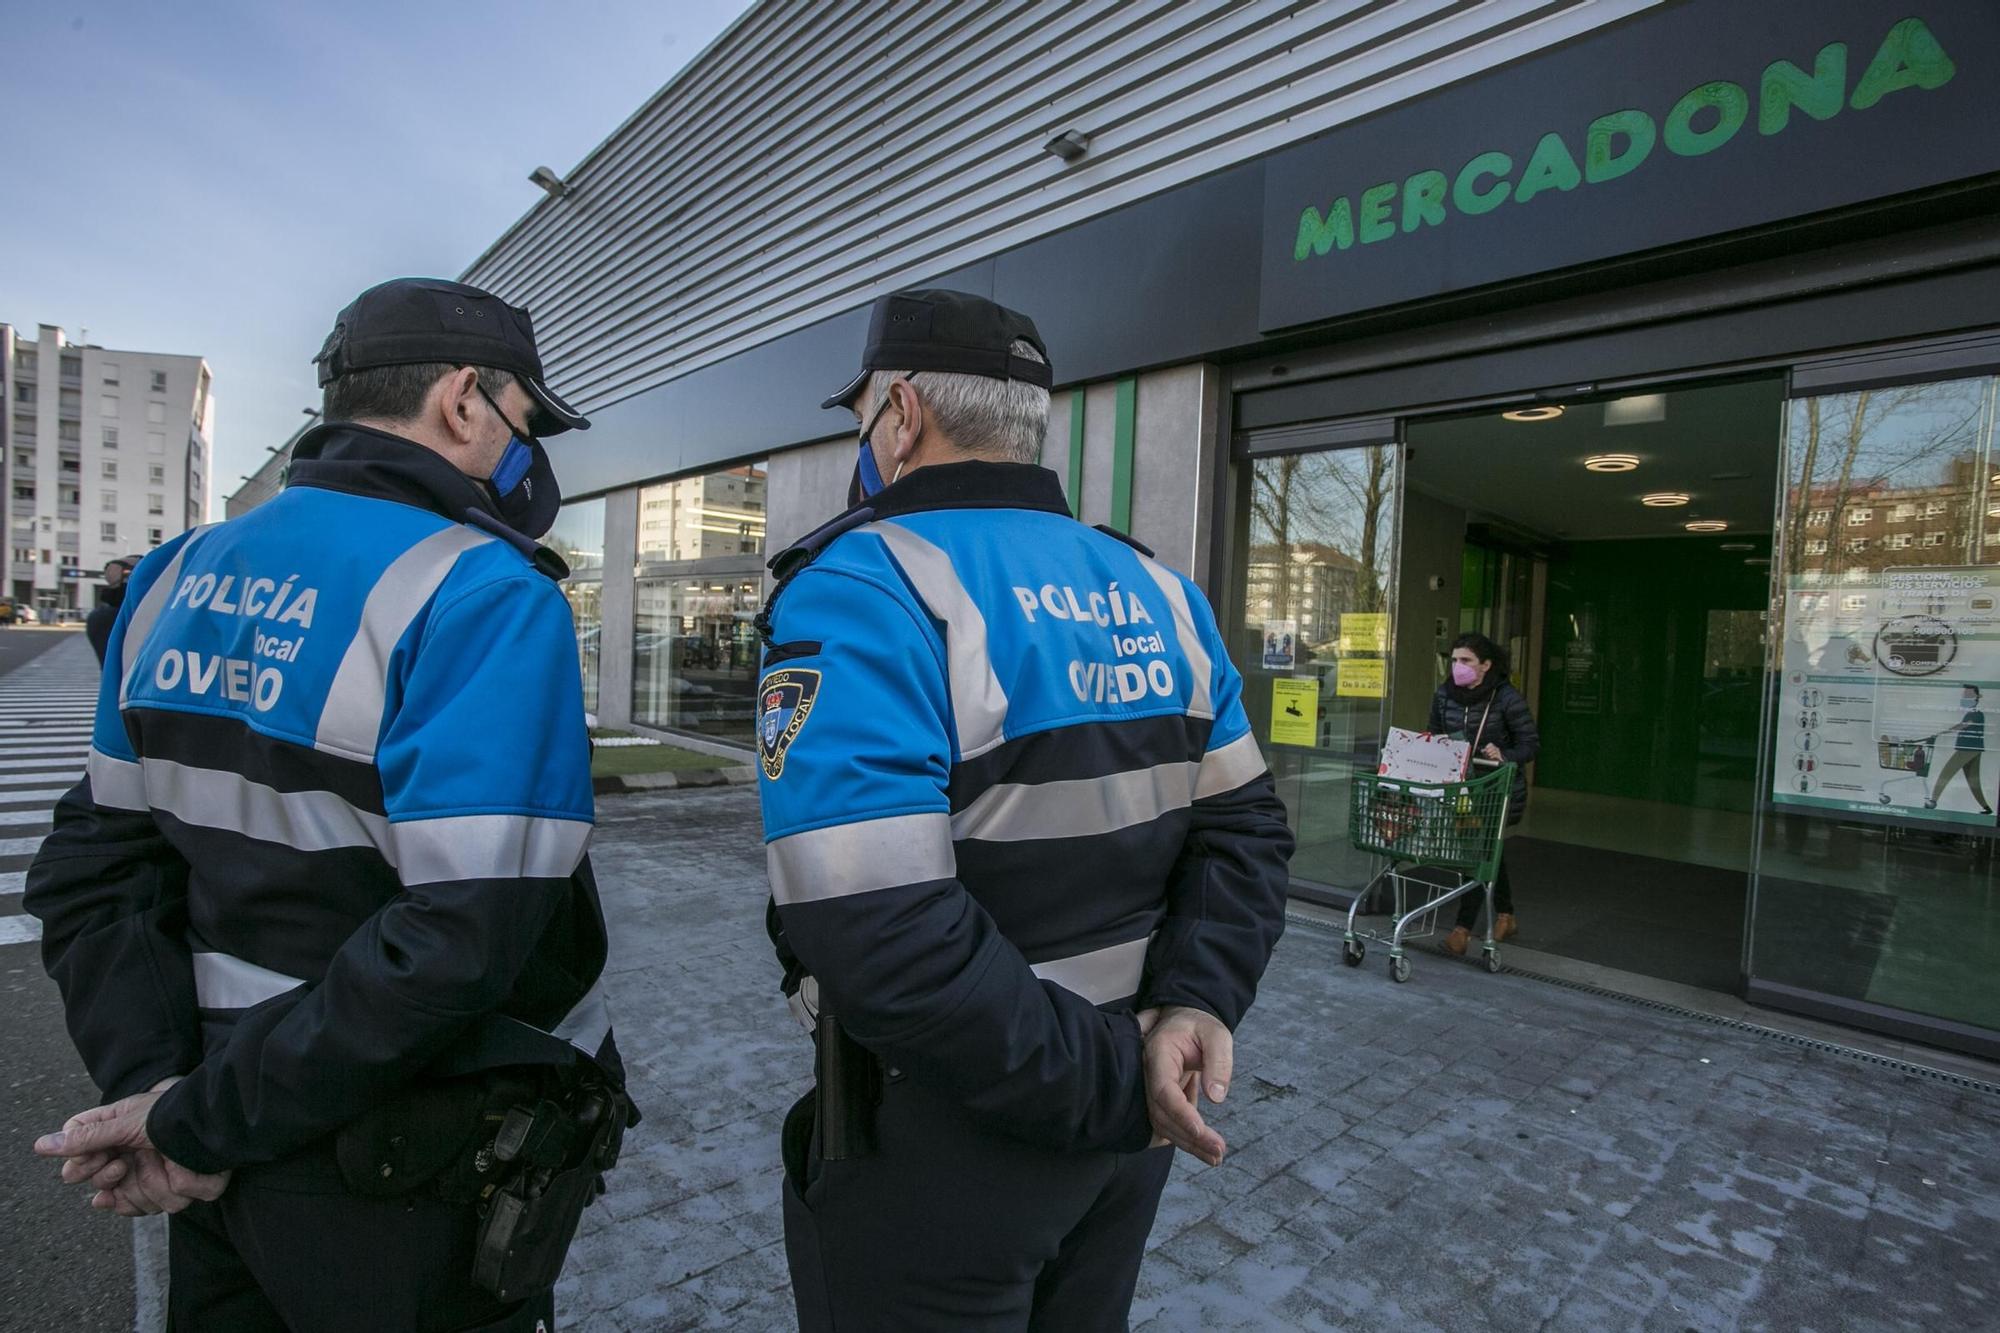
(1464, 675)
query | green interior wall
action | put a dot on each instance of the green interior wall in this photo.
(1651, 685)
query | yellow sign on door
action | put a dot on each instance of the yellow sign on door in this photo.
(1361, 678)
(1295, 711)
(1364, 632)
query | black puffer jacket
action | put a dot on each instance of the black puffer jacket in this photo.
(1507, 724)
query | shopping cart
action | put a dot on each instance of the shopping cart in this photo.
(1453, 827)
(1907, 759)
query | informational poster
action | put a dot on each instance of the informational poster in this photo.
(1281, 645)
(1884, 695)
(1295, 711)
(1364, 632)
(1361, 678)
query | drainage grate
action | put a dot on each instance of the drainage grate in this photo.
(1755, 1029)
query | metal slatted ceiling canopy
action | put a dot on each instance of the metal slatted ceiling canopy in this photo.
(819, 154)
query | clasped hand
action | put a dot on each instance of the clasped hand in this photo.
(1187, 1053)
(107, 1149)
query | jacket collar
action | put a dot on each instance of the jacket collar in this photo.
(360, 460)
(971, 485)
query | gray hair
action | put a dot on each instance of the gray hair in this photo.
(395, 393)
(1007, 419)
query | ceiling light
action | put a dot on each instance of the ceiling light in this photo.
(1636, 410)
(1611, 462)
(1664, 499)
(1706, 525)
(1069, 145)
(1548, 413)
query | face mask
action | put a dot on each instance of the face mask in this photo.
(524, 484)
(1967, 705)
(1464, 675)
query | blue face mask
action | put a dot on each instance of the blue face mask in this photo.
(515, 461)
(524, 485)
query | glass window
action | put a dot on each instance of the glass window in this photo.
(698, 518)
(1876, 876)
(701, 580)
(1310, 631)
(695, 653)
(578, 537)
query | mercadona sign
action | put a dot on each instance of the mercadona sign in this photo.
(1716, 151)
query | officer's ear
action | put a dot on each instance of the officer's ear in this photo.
(458, 409)
(909, 418)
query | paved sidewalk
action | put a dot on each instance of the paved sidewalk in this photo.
(1462, 1152)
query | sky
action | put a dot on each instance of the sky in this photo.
(219, 179)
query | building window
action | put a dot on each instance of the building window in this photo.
(1899, 541)
(156, 503)
(108, 501)
(24, 555)
(1816, 546)
(578, 537)
(110, 369)
(159, 381)
(107, 533)
(1902, 513)
(110, 469)
(24, 490)
(24, 393)
(156, 412)
(107, 405)
(1936, 508)
(110, 437)
(69, 432)
(1856, 545)
(154, 536)
(1934, 539)
(1857, 517)
(156, 473)
(23, 458)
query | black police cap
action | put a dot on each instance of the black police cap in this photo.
(935, 329)
(413, 321)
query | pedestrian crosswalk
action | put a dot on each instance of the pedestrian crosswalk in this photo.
(45, 713)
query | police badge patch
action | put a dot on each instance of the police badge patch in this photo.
(784, 701)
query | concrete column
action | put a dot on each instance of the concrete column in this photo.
(807, 486)
(614, 661)
(1174, 463)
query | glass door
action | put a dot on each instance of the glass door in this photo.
(1875, 881)
(1311, 632)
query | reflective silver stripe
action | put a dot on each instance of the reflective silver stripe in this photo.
(305, 821)
(858, 858)
(589, 1023)
(117, 784)
(1201, 697)
(148, 611)
(1077, 808)
(1229, 767)
(225, 982)
(351, 719)
(978, 703)
(1102, 975)
(433, 851)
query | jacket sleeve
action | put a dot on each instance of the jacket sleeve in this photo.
(486, 784)
(111, 894)
(1226, 894)
(856, 740)
(1524, 741)
(1436, 725)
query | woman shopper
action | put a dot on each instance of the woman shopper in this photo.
(1480, 705)
(1966, 753)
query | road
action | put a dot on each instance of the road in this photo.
(71, 1268)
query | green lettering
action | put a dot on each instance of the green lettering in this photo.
(1910, 58)
(1819, 94)
(1317, 234)
(1423, 199)
(1551, 168)
(1600, 160)
(1732, 106)
(1377, 221)
(1467, 198)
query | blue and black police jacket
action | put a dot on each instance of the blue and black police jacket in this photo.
(333, 824)
(1010, 797)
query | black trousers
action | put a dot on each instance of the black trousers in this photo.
(271, 1258)
(950, 1228)
(1503, 899)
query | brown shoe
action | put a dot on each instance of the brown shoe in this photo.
(1503, 926)
(1455, 942)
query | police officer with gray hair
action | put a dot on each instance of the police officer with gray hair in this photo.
(1027, 864)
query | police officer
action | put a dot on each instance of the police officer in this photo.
(1015, 817)
(97, 625)
(331, 837)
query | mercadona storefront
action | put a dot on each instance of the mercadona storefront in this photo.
(1664, 355)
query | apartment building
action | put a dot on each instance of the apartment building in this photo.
(108, 453)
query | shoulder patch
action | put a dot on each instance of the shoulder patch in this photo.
(784, 702)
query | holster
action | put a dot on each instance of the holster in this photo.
(434, 1133)
(552, 1158)
(850, 1090)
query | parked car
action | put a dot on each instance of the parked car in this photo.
(7, 615)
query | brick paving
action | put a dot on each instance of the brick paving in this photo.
(1462, 1152)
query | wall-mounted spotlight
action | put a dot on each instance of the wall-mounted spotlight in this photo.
(557, 187)
(1069, 145)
